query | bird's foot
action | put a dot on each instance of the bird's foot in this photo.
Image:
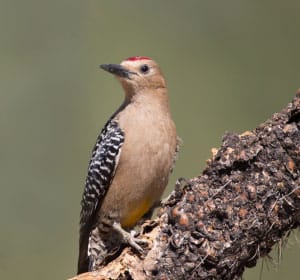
(129, 238)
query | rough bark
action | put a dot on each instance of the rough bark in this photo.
(216, 225)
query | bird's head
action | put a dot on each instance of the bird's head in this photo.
(138, 74)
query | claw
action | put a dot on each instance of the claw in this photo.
(129, 238)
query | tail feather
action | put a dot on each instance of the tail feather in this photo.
(83, 259)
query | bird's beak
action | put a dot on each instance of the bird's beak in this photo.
(117, 70)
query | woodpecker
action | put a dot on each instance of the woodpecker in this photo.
(130, 163)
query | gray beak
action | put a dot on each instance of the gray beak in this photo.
(117, 70)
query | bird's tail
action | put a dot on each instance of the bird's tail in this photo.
(83, 259)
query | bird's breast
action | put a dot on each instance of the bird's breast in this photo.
(144, 166)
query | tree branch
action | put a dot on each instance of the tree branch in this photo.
(215, 225)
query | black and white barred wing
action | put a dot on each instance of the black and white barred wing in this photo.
(101, 169)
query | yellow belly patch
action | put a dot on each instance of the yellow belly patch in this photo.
(136, 213)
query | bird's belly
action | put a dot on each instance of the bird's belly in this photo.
(141, 175)
(129, 201)
(135, 213)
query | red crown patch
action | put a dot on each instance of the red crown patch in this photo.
(135, 58)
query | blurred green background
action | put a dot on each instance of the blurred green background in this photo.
(229, 65)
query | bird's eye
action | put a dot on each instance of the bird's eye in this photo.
(145, 68)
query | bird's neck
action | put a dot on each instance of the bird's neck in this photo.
(157, 98)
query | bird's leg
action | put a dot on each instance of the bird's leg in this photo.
(129, 238)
